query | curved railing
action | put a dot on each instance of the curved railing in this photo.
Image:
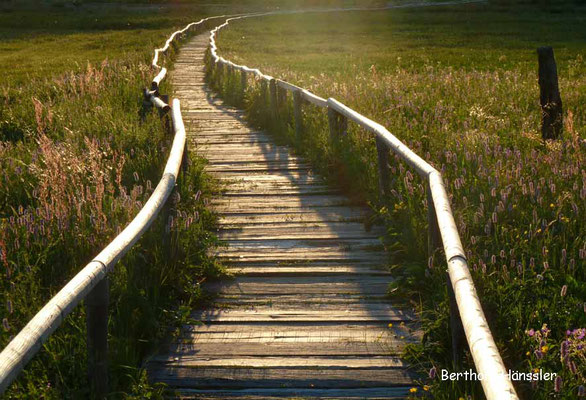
(91, 282)
(441, 225)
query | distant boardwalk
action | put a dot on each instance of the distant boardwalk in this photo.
(306, 314)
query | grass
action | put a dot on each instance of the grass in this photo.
(459, 86)
(79, 156)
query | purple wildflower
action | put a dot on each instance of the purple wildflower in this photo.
(558, 384)
(432, 373)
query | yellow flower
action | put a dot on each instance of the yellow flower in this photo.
(544, 349)
(413, 390)
(527, 353)
(390, 325)
(426, 388)
(551, 205)
(535, 370)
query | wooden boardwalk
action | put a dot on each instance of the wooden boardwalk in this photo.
(306, 315)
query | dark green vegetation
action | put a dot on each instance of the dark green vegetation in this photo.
(79, 156)
(459, 86)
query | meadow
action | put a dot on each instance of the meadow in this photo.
(459, 86)
(79, 156)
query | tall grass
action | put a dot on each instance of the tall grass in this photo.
(519, 202)
(79, 156)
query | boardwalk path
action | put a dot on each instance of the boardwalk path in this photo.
(306, 314)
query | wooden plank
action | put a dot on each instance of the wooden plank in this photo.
(281, 202)
(196, 361)
(307, 215)
(276, 349)
(379, 393)
(311, 270)
(279, 377)
(274, 314)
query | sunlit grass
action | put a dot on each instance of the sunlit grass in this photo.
(459, 86)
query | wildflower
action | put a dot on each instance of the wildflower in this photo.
(5, 324)
(564, 290)
(531, 332)
(426, 388)
(432, 373)
(558, 384)
(390, 325)
(544, 349)
(413, 390)
(572, 367)
(581, 391)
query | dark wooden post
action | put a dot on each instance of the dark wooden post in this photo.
(243, 81)
(273, 98)
(219, 72)
(458, 335)
(263, 92)
(552, 119)
(281, 97)
(434, 238)
(97, 339)
(384, 177)
(338, 124)
(297, 102)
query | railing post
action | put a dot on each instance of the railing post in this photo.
(297, 102)
(263, 92)
(219, 72)
(338, 124)
(243, 81)
(281, 97)
(97, 339)
(165, 117)
(384, 177)
(273, 98)
(434, 244)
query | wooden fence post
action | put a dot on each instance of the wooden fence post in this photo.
(243, 81)
(281, 97)
(165, 117)
(338, 124)
(219, 73)
(263, 92)
(273, 98)
(297, 102)
(97, 339)
(552, 120)
(383, 166)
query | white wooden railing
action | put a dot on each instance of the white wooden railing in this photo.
(441, 226)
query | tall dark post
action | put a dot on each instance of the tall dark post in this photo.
(297, 102)
(273, 98)
(551, 103)
(97, 339)
(384, 176)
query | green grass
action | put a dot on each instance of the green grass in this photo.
(459, 86)
(79, 156)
